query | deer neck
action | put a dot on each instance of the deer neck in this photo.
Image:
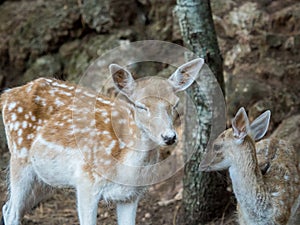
(247, 180)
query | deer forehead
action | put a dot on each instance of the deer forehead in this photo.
(154, 87)
(158, 103)
(226, 135)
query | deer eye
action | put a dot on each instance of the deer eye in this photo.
(217, 147)
(176, 105)
(141, 107)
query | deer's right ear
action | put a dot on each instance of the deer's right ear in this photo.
(185, 75)
(122, 78)
(240, 124)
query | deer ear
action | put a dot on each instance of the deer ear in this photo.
(259, 126)
(185, 75)
(240, 124)
(122, 78)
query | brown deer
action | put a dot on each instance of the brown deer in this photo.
(265, 175)
(56, 139)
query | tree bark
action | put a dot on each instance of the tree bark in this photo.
(205, 196)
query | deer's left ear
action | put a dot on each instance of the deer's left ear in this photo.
(123, 79)
(240, 124)
(185, 75)
(260, 125)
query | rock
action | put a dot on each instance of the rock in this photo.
(286, 20)
(244, 20)
(289, 130)
(274, 40)
(237, 52)
(95, 13)
(222, 7)
(78, 56)
(102, 15)
(161, 21)
(243, 91)
(45, 66)
(280, 102)
(31, 30)
(272, 68)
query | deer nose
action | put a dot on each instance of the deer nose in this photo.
(169, 137)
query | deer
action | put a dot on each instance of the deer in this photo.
(265, 174)
(55, 140)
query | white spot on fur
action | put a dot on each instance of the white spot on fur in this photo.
(65, 93)
(30, 136)
(20, 131)
(33, 118)
(29, 88)
(89, 94)
(13, 117)
(49, 80)
(110, 147)
(20, 109)
(58, 102)
(60, 85)
(104, 101)
(16, 125)
(93, 123)
(52, 92)
(20, 140)
(115, 113)
(122, 145)
(104, 114)
(50, 109)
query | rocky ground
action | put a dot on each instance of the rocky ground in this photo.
(259, 40)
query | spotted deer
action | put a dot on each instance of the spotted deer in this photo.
(265, 175)
(56, 139)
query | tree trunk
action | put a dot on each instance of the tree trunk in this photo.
(205, 196)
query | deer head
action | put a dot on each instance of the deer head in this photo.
(227, 145)
(154, 99)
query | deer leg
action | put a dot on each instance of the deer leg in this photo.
(38, 193)
(126, 212)
(21, 180)
(87, 203)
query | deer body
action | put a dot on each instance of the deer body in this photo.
(265, 175)
(56, 139)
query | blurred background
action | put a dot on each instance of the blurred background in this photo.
(259, 41)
